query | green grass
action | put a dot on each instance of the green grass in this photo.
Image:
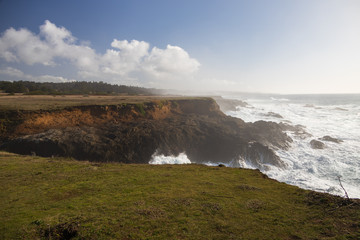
(140, 107)
(46, 102)
(47, 198)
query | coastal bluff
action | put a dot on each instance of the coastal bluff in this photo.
(132, 132)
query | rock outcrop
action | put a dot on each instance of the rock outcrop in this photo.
(298, 130)
(230, 104)
(331, 139)
(132, 133)
(272, 114)
(315, 144)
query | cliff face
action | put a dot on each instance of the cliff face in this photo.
(132, 133)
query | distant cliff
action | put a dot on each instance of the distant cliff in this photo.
(132, 133)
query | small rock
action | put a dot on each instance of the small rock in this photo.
(315, 144)
(272, 114)
(309, 105)
(340, 109)
(331, 139)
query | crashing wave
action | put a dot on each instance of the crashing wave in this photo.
(162, 159)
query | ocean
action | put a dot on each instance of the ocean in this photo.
(337, 116)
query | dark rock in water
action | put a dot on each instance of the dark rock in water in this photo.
(340, 109)
(132, 135)
(309, 105)
(315, 144)
(331, 139)
(269, 134)
(229, 104)
(272, 114)
(298, 130)
(258, 155)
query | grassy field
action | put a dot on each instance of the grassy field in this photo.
(56, 198)
(46, 102)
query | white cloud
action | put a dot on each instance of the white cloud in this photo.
(63, 45)
(169, 61)
(56, 35)
(125, 60)
(49, 78)
(134, 50)
(13, 73)
(129, 61)
(23, 46)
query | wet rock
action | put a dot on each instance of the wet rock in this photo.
(331, 139)
(207, 136)
(272, 114)
(260, 156)
(298, 130)
(309, 105)
(315, 144)
(340, 109)
(269, 134)
(229, 104)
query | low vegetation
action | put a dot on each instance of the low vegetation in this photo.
(57, 198)
(44, 102)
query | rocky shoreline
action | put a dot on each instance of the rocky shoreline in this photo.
(132, 133)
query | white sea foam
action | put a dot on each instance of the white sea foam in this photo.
(315, 169)
(309, 168)
(162, 159)
(280, 99)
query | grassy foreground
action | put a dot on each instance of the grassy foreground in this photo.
(56, 198)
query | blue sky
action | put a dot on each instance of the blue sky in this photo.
(280, 46)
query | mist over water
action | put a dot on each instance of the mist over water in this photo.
(337, 116)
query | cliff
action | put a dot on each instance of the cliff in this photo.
(133, 132)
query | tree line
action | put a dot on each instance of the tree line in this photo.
(72, 88)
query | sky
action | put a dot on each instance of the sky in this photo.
(269, 46)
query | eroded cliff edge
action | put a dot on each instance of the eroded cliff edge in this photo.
(132, 133)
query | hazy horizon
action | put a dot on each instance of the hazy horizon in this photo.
(270, 47)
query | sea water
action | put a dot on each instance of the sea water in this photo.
(337, 116)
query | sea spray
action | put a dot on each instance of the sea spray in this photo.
(162, 159)
(337, 116)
